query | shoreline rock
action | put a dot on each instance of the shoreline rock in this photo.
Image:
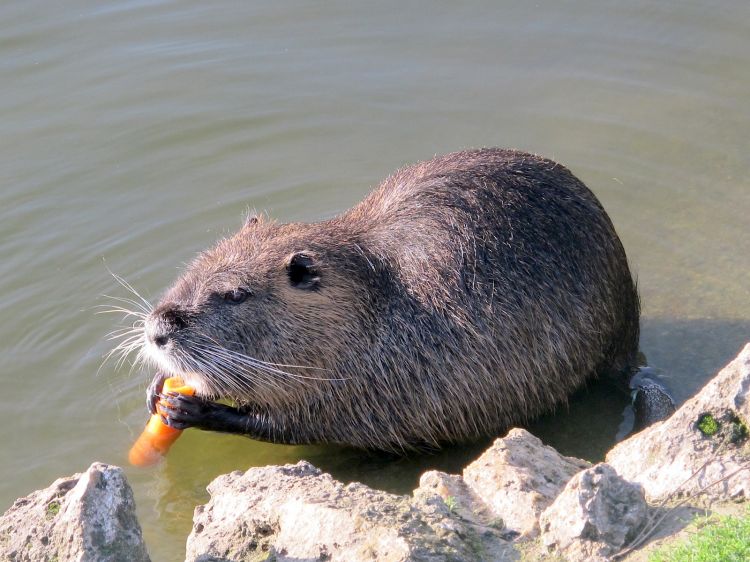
(596, 514)
(512, 481)
(296, 512)
(87, 517)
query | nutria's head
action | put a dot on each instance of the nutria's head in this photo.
(262, 310)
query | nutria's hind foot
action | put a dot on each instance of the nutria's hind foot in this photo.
(651, 403)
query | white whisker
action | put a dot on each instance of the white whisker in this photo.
(275, 367)
(146, 305)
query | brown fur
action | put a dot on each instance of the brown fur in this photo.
(465, 294)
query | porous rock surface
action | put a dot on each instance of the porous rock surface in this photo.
(296, 513)
(88, 517)
(596, 514)
(518, 477)
(508, 486)
(681, 456)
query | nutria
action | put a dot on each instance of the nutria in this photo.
(464, 295)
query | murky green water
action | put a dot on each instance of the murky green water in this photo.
(136, 133)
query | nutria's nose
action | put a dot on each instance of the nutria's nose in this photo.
(165, 320)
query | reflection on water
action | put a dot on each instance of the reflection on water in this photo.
(136, 133)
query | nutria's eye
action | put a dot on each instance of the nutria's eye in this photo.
(302, 272)
(236, 296)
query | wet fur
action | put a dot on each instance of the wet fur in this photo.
(464, 295)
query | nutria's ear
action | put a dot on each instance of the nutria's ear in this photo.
(253, 217)
(302, 271)
(250, 221)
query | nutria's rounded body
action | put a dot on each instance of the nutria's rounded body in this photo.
(464, 295)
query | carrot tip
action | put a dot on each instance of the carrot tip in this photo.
(144, 454)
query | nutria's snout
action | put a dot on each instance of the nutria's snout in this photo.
(163, 323)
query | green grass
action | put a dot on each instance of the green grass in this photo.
(451, 504)
(720, 539)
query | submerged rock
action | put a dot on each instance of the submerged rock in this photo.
(594, 516)
(296, 512)
(88, 517)
(701, 448)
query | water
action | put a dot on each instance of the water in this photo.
(136, 133)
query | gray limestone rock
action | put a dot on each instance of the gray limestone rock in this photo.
(594, 516)
(88, 517)
(296, 512)
(518, 477)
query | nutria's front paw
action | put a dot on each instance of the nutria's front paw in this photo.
(181, 411)
(154, 390)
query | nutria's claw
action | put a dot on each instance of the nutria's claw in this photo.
(180, 411)
(154, 390)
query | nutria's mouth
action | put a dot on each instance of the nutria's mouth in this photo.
(163, 361)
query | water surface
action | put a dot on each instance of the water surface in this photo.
(136, 133)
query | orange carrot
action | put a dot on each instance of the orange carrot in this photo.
(158, 437)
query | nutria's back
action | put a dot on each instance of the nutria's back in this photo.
(464, 295)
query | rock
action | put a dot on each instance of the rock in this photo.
(518, 477)
(459, 498)
(87, 517)
(705, 441)
(594, 516)
(296, 512)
